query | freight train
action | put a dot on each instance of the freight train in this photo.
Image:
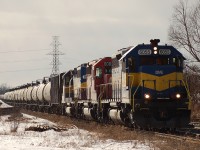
(141, 86)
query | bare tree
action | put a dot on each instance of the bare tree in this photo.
(184, 30)
(193, 79)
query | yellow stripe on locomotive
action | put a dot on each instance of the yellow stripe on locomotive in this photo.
(162, 82)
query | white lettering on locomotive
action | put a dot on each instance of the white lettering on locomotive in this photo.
(144, 52)
(159, 72)
(164, 51)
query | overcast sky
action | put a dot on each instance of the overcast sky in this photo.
(87, 29)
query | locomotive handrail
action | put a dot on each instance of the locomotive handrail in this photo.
(188, 93)
(116, 95)
(103, 84)
(102, 89)
(131, 84)
(134, 95)
(187, 89)
(99, 98)
(69, 85)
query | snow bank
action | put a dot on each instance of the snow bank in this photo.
(4, 105)
(72, 139)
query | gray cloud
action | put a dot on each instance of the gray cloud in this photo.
(88, 29)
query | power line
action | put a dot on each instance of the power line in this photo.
(28, 60)
(24, 51)
(66, 59)
(24, 70)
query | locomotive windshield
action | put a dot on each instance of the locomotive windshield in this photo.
(178, 62)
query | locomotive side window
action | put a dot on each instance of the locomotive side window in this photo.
(98, 72)
(131, 64)
(67, 80)
(177, 62)
(108, 70)
(108, 67)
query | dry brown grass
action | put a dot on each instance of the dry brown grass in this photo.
(15, 121)
(121, 133)
(195, 111)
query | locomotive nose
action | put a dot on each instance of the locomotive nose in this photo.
(158, 79)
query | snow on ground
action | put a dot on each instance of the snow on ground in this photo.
(4, 105)
(72, 139)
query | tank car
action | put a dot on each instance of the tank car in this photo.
(41, 94)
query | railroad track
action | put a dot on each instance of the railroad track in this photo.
(176, 136)
(179, 137)
(196, 124)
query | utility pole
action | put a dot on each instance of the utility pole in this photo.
(55, 63)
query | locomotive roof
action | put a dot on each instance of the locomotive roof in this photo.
(94, 61)
(99, 60)
(134, 50)
(127, 52)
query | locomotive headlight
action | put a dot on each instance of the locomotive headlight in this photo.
(155, 50)
(146, 96)
(178, 96)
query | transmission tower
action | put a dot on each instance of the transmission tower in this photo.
(55, 63)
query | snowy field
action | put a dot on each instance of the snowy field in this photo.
(14, 137)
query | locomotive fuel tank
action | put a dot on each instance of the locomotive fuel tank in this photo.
(87, 113)
(115, 115)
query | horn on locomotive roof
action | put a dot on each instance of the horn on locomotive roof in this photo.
(154, 42)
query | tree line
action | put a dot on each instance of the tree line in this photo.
(3, 88)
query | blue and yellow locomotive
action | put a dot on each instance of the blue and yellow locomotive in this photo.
(153, 92)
